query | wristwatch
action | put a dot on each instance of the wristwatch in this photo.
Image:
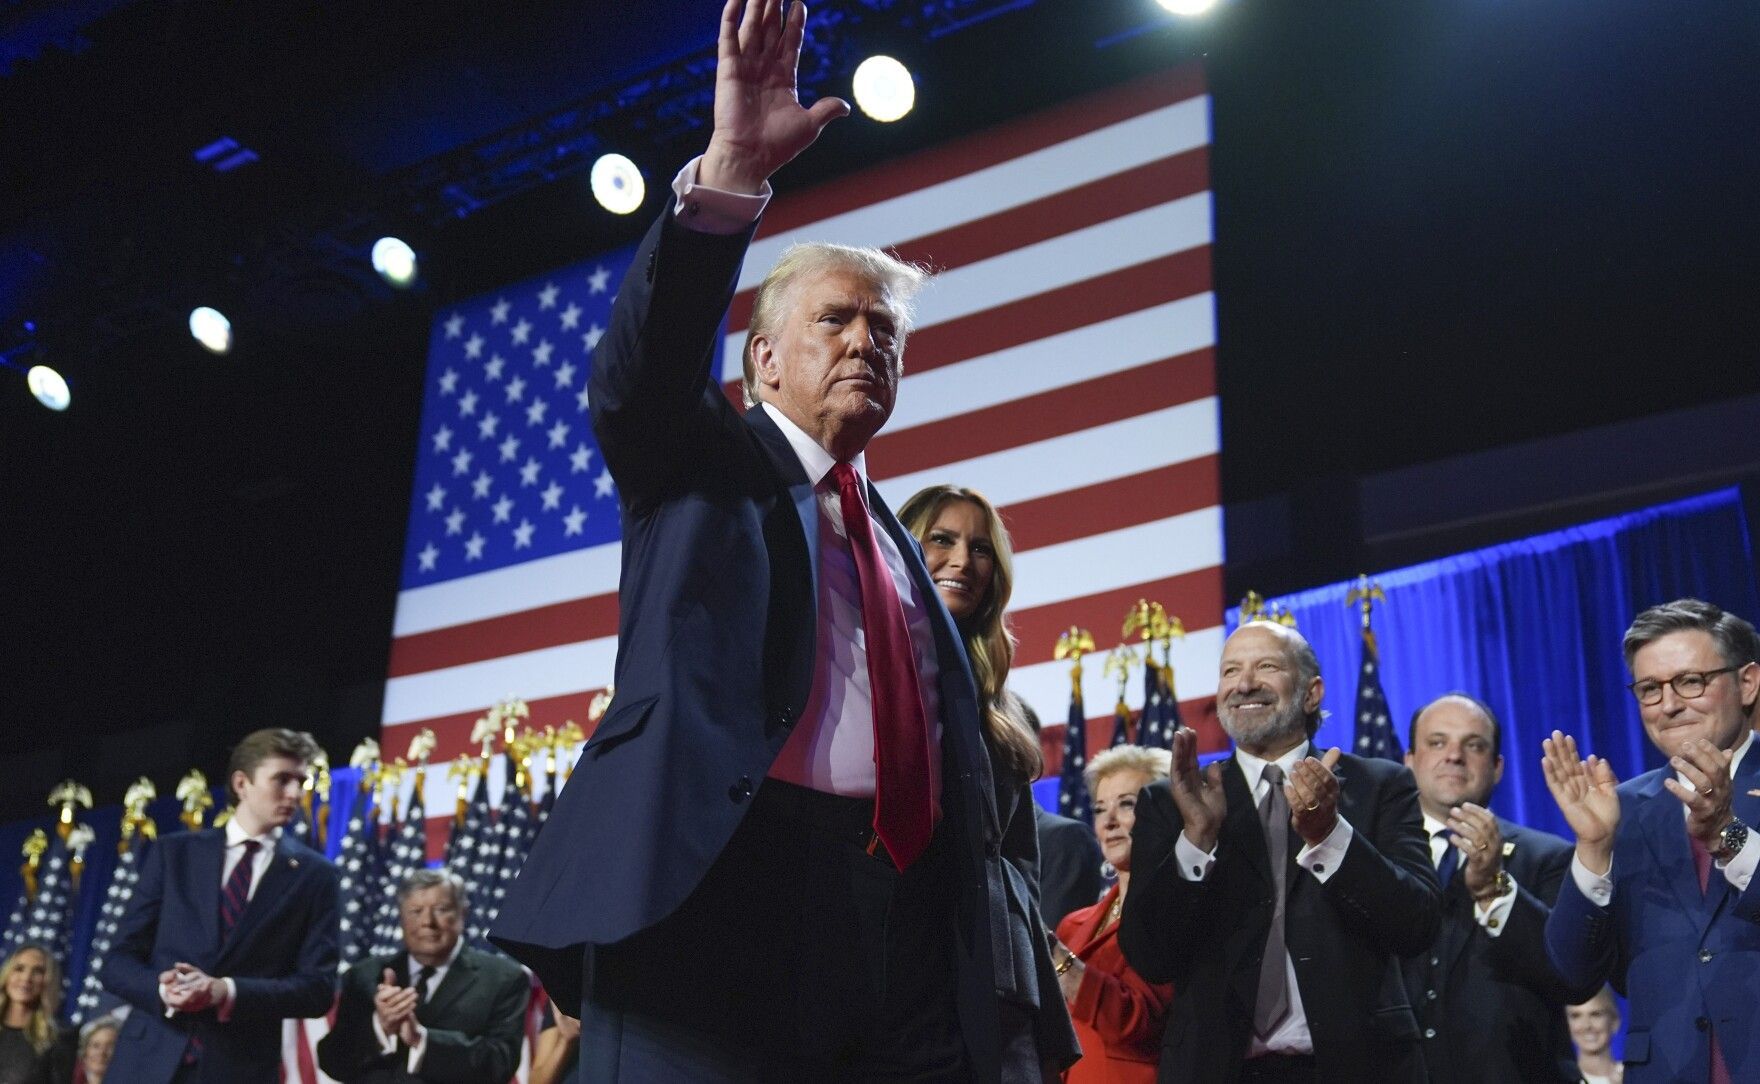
(1499, 887)
(1730, 841)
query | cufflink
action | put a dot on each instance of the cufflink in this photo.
(294, 862)
(1509, 848)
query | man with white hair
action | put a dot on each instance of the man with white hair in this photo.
(776, 859)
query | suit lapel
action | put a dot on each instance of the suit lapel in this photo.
(799, 494)
(1664, 828)
(207, 859)
(268, 896)
(459, 978)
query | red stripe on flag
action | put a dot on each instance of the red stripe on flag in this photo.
(1054, 413)
(1110, 506)
(510, 634)
(1195, 595)
(1011, 140)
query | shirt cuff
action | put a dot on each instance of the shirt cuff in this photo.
(223, 1008)
(1322, 859)
(714, 210)
(1598, 890)
(1493, 919)
(165, 996)
(417, 1049)
(1740, 869)
(387, 1043)
(1194, 864)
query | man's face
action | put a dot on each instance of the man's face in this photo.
(833, 362)
(432, 922)
(1721, 713)
(1452, 756)
(1259, 697)
(269, 796)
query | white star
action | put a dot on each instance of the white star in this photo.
(509, 448)
(603, 485)
(581, 397)
(498, 314)
(455, 523)
(591, 339)
(528, 474)
(467, 404)
(600, 280)
(578, 458)
(565, 374)
(558, 433)
(436, 497)
(480, 485)
(493, 369)
(571, 523)
(552, 497)
(516, 389)
(541, 353)
(473, 347)
(571, 317)
(522, 331)
(547, 296)
(473, 547)
(461, 462)
(535, 412)
(454, 326)
(448, 382)
(522, 535)
(486, 427)
(443, 438)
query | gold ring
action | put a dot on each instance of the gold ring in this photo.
(1313, 807)
(1482, 846)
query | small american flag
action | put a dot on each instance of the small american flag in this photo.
(1375, 736)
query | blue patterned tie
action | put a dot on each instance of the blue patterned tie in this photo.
(1450, 859)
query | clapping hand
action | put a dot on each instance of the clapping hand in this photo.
(1199, 795)
(1707, 800)
(395, 1006)
(1312, 793)
(1586, 795)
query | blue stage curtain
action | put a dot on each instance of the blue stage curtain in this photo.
(1533, 628)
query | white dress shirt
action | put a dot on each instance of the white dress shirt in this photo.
(236, 837)
(388, 1043)
(1320, 859)
(1492, 916)
(1739, 870)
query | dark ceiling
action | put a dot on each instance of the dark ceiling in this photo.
(1441, 227)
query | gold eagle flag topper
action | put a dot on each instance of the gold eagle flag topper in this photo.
(1365, 595)
(64, 797)
(192, 789)
(35, 846)
(135, 821)
(1072, 644)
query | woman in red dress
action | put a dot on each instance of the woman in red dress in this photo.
(1119, 1016)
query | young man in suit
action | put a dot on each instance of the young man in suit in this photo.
(437, 1011)
(1490, 1007)
(777, 857)
(1661, 898)
(1277, 889)
(229, 932)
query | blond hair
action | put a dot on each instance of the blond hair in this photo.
(40, 1031)
(1157, 764)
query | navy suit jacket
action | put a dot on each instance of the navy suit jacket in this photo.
(1685, 962)
(716, 644)
(1345, 935)
(282, 957)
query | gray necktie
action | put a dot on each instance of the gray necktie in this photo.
(1272, 1004)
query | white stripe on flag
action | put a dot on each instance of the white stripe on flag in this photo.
(543, 582)
(530, 675)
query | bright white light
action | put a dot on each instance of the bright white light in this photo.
(211, 329)
(46, 384)
(395, 261)
(883, 88)
(617, 184)
(1187, 7)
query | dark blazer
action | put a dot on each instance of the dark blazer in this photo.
(1069, 865)
(282, 957)
(1345, 935)
(716, 643)
(1491, 1009)
(1685, 962)
(475, 1020)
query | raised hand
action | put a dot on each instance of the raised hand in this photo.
(1474, 831)
(1708, 800)
(1586, 795)
(760, 123)
(1199, 795)
(1312, 793)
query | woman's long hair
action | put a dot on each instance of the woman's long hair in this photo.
(40, 1032)
(989, 642)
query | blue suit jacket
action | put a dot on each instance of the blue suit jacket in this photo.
(1685, 962)
(282, 957)
(716, 642)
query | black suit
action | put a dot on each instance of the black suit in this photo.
(1069, 865)
(1344, 934)
(475, 1020)
(1491, 1009)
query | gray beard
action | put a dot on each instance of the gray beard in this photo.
(1286, 723)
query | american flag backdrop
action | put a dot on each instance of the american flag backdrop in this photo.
(1062, 364)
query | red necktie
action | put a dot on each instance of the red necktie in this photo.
(236, 893)
(1702, 866)
(904, 806)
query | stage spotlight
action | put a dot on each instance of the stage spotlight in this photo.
(617, 184)
(395, 262)
(211, 329)
(1187, 7)
(46, 384)
(883, 88)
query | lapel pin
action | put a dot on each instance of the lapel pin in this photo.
(1509, 848)
(1755, 793)
(294, 862)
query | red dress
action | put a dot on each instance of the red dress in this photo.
(1119, 1017)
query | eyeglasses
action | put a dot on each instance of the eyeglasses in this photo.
(1688, 686)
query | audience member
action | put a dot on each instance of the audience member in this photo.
(32, 1049)
(1593, 1024)
(97, 1046)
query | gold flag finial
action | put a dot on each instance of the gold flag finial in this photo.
(35, 846)
(365, 755)
(567, 738)
(1118, 664)
(1365, 595)
(193, 790)
(134, 813)
(511, 711)
(64, 797)
(601, 703)
(484, 730)
(466, 771)
(77, 841)
(1072, 644)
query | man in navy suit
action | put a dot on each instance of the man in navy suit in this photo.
(1661, 897)
(229, 932)
(776, 858)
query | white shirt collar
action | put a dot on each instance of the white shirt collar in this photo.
(414, 966)
(235, 835)
(1253, 768)
(816, 461)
